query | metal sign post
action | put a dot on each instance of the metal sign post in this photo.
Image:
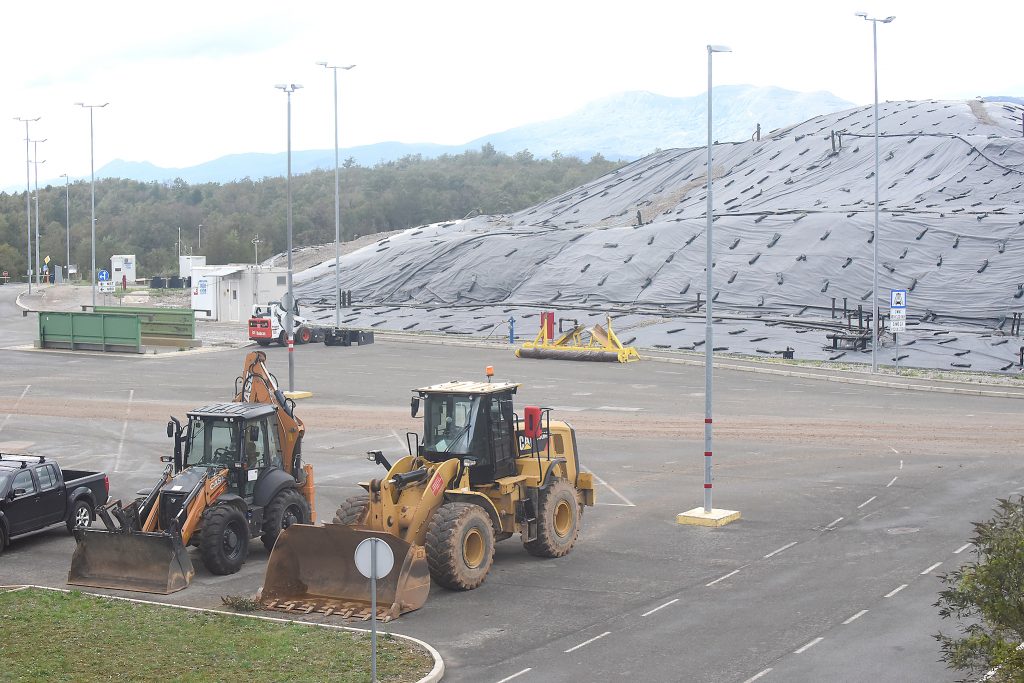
(374, 560)
(897, 318)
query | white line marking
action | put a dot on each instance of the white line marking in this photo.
(894, 591)
(124, 431)
(776, 552)
(621, 409)
(670, 602)
(929, 570)
(894, 450)
(587, 642)
(583, 393)
(601, 481)
(962, 548)
(833, 523)
(15, 407)
(398, 439)
(566, 409)
(723, 578)
(901, 465)
(757, 675)
(856, 616)
(866, 502)
(809, 645)
(891, 482)
(515, 675)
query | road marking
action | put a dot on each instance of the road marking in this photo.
(962, 548)
(894, 450)
(670, 602)
(4, 424)
(515, 675)
(929, 570)
(625, 501)
(891, 482)
(587, 642)
(833, 523)
(583, 393)
(757, 675)
(621, 409)
(398, 439)
(894, 591)
(567, 409)
(723, 578)
(776, 552)
(901, 465)
(866, 502)
(808, 646)
(124, 431)
(856, 616)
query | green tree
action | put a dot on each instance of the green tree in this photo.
(986, 600)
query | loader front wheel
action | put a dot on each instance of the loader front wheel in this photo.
(353, 510)
(460, 545)
(287, 508)
(225, 540)
(558, 521)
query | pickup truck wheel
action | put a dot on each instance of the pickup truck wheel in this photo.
(81, 516)
(287, 508)
(225, 540)
(3, 540)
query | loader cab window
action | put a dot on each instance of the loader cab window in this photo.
(213, 442)
(260, 446)
(452, 427)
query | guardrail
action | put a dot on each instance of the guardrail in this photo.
(90, 331)
(160, 326)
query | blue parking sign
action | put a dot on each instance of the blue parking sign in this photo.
(102, 276)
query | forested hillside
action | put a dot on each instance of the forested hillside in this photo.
(144, 218)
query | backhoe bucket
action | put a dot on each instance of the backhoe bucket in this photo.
(132, 561)
(312, 569)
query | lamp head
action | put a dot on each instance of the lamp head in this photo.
(718, 48)
(323, 64)
(887, 20)
(862, 15)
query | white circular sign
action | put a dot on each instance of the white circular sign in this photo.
(364, 554)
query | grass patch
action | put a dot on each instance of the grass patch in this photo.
(48, 635)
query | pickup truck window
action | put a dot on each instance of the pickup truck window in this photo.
(47, 477)
(23, 480)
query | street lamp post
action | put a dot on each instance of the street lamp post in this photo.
(337, 199)
(28, 205)
(288, 89)
(877, 235)
(35, 166)
(199, 241)
(67, 222)
(92, 201)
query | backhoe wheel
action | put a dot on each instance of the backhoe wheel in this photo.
(287, 508)
(558, 521)
(460, 545)
(81, 516)
(225, 540)
(353, 510)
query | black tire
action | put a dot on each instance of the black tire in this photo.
(263, 342)
(3, 540)
(224, 544)
(460, 545)
(353, 510)
(81, 515)
(558, 521)
(282, 338)
(287, 508)
(305, 335)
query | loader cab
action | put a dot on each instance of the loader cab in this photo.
(238, 436)
(473, 421)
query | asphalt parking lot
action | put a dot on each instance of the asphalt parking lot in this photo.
(853, 499)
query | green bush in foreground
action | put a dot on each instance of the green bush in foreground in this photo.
(986, 599)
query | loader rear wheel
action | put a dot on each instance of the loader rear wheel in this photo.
(353, 510)
(263, 342)
(558, 521)
(225, 540)
(287, 508)
(282, 338)
(305, 335)
(460, 545)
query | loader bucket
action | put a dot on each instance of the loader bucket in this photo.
(133, 561)
(312, 569)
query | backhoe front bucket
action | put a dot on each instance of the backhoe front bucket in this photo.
(312, 569)
(133, 561)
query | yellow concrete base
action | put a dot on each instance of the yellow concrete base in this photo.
(698, 517)
(298, 394)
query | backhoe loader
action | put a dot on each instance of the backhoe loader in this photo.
(236, 474)
(480, 475)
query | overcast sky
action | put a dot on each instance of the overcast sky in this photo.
(191, 81)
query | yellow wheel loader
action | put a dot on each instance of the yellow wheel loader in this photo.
(236, 474)
(480, 475)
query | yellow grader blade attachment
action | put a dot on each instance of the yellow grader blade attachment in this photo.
(579, 343)
(130, 560)
(312, 569)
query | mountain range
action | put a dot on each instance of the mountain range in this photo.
(626, 126)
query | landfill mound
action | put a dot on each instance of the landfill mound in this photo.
(793, 232)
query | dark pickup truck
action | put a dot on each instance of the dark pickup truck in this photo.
(35, 493)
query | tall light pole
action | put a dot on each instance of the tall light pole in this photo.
(92, 203)
(877, 236)
(35, 165)
(199, 241)
(28, 205)
(288, 89)
(337, 199)
(67, 221)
